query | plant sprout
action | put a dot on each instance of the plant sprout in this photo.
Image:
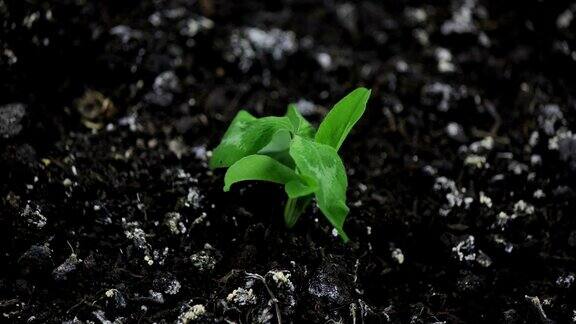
(289, 151)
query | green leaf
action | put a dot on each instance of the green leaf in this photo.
(263, 168)
(294, 208)
(304, 186)
(300, 125)
(280, 142)
(246, 136)
(322, 163)
(340, 120)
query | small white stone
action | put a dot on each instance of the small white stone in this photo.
(522, 206)
(279, 277)
(325, 60)
(454, 129)
(564, 19)
(502, 218)
(539, 194)
(476, 161)
(242, 297)
(334, 232)
(398, 255)
(485, 200)
(444, 58)
(192, 314)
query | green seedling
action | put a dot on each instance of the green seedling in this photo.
(289, 151)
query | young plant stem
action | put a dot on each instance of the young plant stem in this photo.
(294, 208)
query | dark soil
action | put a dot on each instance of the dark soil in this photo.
(462, 173)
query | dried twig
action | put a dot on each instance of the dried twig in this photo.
(537, 307)
(273, 298)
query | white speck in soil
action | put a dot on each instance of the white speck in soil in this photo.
(193, 198)
(416, 15)
(324, 60)
(484, 40)
(444, 58)
(10, 56)
(539, 194)
(430, 170)
(456, 132)
(191, 26)
(503, 218)
(565, 280)
(250, 44)
(200, 219)
(402, 66)
(398, 256)
(485, 200)
(30, 19)
(178, 147)
(455, 197)
(242, 297)
(156, 297)
(200, 152)
(476, 161)
(550, 118)
(173, 221)
(282, 279)
(32, 215)
(565, 18)
(205, 260)
(484, 145)
(136, 234)
(334, 232)
(535, 159)
(191, 314)
(173, 287)
(521, 207)
(148, 260)
(465, 249)
(462, 18)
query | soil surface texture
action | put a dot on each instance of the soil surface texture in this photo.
(462, 172)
